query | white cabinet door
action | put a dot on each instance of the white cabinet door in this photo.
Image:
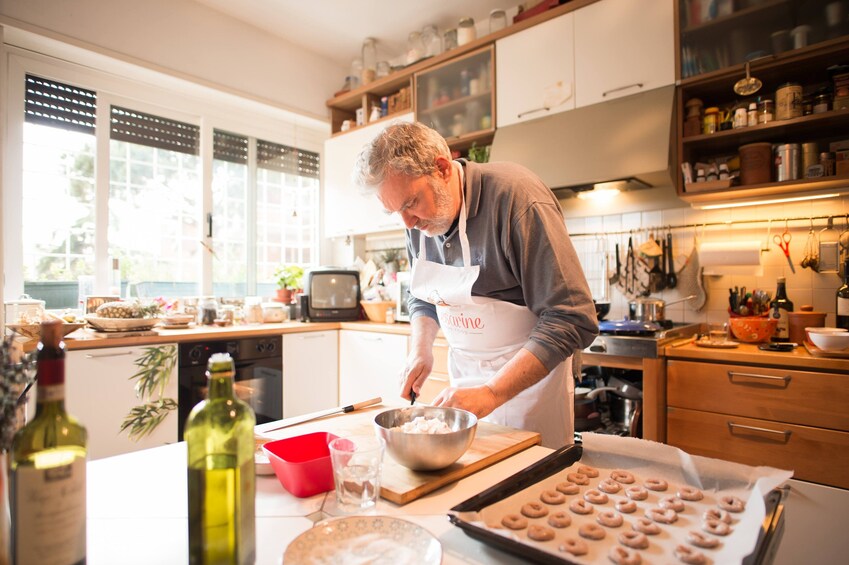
(310, 372)
(370, 365)
(346, 210)
(535, 72)
(623, 47)
(100, 391)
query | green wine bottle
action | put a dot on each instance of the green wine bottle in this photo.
(48, 468)
(219, 438)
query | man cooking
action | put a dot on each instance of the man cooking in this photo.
(494, 268)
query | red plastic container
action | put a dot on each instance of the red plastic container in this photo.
(302, 463)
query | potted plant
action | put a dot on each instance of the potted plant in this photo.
(390, 259)
(289, 279)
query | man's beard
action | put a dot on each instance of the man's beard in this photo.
(444, 215)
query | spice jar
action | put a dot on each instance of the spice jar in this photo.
(788, 101)
(766, 110)
(752, 115)
(710, 123)
(821, 103)
(740, 117)
(466, 31)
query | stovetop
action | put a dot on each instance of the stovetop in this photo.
(644, 345)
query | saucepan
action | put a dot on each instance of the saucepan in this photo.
(626, 406)
(651, 309)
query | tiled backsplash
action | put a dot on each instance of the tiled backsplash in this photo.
(803, 287)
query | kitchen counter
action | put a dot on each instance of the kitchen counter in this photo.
(749, 353)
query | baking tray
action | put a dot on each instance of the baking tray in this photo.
(769, 535)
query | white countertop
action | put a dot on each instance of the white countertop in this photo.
(137, 511)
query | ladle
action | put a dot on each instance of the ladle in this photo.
(748, 85)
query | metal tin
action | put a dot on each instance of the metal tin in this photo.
(827, 160)
(788, 101)
(787, 162)
(810, 156)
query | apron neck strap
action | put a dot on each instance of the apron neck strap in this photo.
(461, 229)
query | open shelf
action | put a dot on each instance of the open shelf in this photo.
(777, 189)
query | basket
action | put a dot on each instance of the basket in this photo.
(376, 311)
(33, 331)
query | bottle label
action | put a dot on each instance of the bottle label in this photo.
(51, 393)
(843, 306)
(782, 330)
(50, 513)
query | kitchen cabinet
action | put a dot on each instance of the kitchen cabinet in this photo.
(457, 99)
(535, 71)
(347, 211)
(310, 372)
(761, 415)
(623, 47)
(101, 391)
(370, 365)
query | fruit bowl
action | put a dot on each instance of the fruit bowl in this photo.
(752, 329)
(120, 324)
(33, 331)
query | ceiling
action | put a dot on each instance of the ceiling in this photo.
(335, 29)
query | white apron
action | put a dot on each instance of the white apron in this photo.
(484, 334)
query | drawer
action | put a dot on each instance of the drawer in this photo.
(781, 395)
(434, 384)
(813, 454)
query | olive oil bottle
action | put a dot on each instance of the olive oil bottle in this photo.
(48, 469)
(219, 438)
(779, 309)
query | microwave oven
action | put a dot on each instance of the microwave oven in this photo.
(402, 292)
(333, 294)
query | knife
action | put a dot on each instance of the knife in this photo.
(286, 422)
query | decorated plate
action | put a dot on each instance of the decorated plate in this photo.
(379, 540)
(121, 324)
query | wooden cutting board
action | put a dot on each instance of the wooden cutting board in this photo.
(399, 484)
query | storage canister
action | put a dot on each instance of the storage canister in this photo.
(806, 318)
(810, 156)
(827, 160)
(766, 111)
(466, 31)
(756, 163)
(787, 161)
(821, 102)
(710, 123)
(788, 101)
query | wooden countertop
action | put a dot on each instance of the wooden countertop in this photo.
(748, 353)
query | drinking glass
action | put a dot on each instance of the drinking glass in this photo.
(357, 462)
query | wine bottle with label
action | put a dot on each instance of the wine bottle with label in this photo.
(843, 299)
(48, 468)
(219, 438)
(779, 309)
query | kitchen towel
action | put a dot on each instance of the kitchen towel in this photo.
(731, 257)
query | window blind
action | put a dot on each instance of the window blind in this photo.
(287, 159)
(154, 131)
(230, 147)
(59, 105)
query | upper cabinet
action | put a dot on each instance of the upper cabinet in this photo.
(346, 210)
(623, 47)
(535, 71)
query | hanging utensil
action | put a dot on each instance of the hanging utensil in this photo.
(614, 278)
(657, 278)
(630, 276)
(811, 259)
(783, 241)
(829, 248)
(671, 277)
(749, 85)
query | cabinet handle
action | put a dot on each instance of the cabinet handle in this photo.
(785, 435)
(369, 338)
(785, 380)
(534, 111)
(316, 336)
(100, 356)
(626, 87)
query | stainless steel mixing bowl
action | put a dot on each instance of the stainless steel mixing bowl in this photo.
(426, 452)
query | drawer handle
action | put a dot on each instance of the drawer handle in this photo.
(785, 435)
(612, 90)
(785, 380)
(520, 115)
(317, 336)
(100, 356)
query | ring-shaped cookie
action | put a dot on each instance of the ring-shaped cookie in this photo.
(731, 504)
(595, 496)
(716, 527)
(691, 494)
(574, 546)
(646, 526)
(700, 540)
(689, 555)
(658, 485)
(540, 533)
(568, 488)
(609, 518)
(634, 540)
(662, 515)
(590, 472)
(717, 514)
(591, 531)
(552, 497)
(623, 477)
(609, 486)
(623, 556)
(578, 479)
(514, 522)
(636, 492)
(559, 519)
(671, 503)
(534, 509)
(581, 506)
(626, 506)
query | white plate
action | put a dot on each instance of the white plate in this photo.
(379, 540)
(121, 324)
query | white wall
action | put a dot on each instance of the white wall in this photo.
(188, 40)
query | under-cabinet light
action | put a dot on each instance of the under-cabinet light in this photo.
(764, 202)
(599, 194)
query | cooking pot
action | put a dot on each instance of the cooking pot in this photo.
(602, 309)
(651, 309)
(587, 416)
(626, 406)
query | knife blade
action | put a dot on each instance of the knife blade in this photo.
(295, 420)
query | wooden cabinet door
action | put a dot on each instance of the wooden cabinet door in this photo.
(535, 72)
(346, 210)
(310, 372)
(623, 47)
(370, 365)
(100, 391)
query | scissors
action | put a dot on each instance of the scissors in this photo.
(783, 241)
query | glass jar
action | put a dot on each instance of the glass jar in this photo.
(752, 115)
(766, 110)
(710, 123)
(356, 73)
(497, 20)
(415, 47)
(383, 69)
(208, 311)
(432, 41)
(369, 60)
(821, 103)
(449, 39)
(466, 31)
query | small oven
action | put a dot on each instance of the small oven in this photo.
(258, 380)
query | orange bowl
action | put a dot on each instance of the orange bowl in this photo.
(752, 329)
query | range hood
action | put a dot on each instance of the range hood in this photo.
(624, 139)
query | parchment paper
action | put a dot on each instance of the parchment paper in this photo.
(646, 459)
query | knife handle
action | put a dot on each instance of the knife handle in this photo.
(363, 404)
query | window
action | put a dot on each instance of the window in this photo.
(230, 217)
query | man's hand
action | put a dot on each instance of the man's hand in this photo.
(479, 400)
(419, 366)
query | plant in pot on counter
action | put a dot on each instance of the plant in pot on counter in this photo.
(289, 279)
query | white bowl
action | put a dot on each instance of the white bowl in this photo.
(834, 341)
(824, 330)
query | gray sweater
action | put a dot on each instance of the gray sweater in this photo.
(518, 237)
